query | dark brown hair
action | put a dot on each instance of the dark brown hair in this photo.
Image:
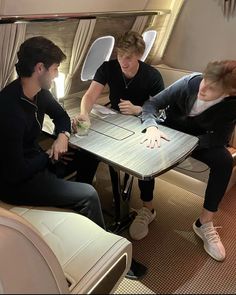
(35, 50)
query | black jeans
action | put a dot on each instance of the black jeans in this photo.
(90, 164)
(46, 188)
(220, 162)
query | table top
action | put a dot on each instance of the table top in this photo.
(116, 139)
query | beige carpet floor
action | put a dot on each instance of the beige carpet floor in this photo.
(174, 255)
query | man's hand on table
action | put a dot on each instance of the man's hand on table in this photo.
(152, 137)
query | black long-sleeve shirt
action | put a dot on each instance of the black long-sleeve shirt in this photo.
(21, 123)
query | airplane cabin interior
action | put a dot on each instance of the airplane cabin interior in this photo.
(55, 251)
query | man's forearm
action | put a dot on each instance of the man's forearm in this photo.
(86, 105)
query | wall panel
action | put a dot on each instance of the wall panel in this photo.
(201, 34)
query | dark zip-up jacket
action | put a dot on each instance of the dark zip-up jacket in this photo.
(213, 126)
(21, 124)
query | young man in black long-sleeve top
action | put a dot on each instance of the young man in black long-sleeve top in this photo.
(27, 173)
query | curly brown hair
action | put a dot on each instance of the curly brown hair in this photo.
(130, 42)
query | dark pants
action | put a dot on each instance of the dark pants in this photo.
(220, 162)
(90, 164)
(47, 189)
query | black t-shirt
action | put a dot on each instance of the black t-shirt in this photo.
(147, 82)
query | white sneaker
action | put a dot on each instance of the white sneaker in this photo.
(139, 227)
(211, 239)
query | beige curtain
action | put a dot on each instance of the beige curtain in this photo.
(228, 7)
(140, 23)
(12, 35)
(79, 48)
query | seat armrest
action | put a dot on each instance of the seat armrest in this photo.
(28, 265)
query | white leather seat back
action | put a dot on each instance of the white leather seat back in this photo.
(99, 51)
(149, 38)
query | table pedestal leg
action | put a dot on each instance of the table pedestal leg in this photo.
(121, 194)
(123, 218)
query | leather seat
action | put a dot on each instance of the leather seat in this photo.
(44, 251)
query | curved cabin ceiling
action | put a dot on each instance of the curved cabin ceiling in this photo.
(26, 7)
(9, 7)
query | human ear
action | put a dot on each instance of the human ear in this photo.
(39, 67)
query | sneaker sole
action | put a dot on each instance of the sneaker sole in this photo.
(140, 237)
(216, 258)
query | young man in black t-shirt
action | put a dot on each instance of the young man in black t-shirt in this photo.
(131, 82)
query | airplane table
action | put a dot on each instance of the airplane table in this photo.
(116, 139)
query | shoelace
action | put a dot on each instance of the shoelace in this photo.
(211, 234)
(143, 217)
